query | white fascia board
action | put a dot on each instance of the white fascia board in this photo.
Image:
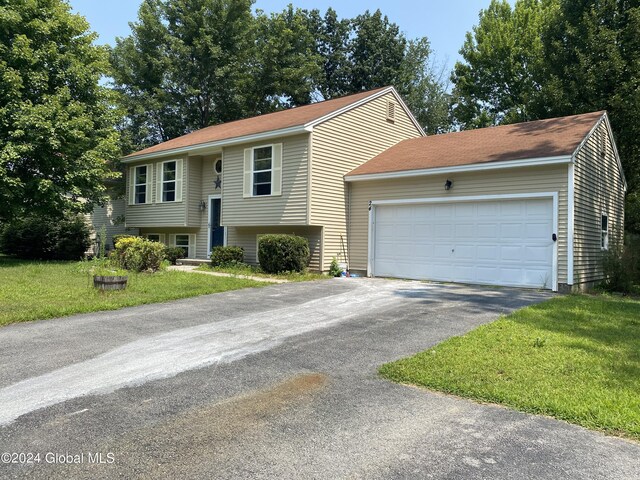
(217, 145)
(351, 106)
(476, 167)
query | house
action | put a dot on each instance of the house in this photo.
(111, 218)
(533, 205)
(276, 173)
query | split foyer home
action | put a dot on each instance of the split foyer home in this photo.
(532, 205)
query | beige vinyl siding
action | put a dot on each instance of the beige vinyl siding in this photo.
(247, 238)
(157, 214)
(517, 180)
(598, 189)
(289, 208)
(338, 146)
(107, 216)
(192, 180)
(207, 178)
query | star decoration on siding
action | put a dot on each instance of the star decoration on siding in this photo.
(218, 182)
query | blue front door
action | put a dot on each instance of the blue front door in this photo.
(217, 232)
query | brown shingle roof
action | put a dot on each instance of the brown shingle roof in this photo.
(539, 139)
(292, 117)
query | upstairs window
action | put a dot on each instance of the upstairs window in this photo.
(140, 184)
(262, 170)
(604, 233)
(169, 181)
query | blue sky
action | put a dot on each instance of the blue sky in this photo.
(443, 22)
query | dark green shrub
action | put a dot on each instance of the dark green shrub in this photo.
(621, 266)
(173, 254)
(227, 256)
(139, 254)
(283, 253)
(44, 238)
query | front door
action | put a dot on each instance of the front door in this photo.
(216, 235)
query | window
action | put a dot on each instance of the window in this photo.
(169, 181)
(604, 237)
(262, 170)
(154, 237)
(140, 184)
(217, 166)
(182, 241)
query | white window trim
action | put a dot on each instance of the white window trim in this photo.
(470, 198)
(163, 181)
(136, 185)
(191, 247)
(253, 172)
(161, 236)
(604, 234)
(215, 162)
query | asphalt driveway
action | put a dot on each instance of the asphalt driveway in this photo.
(278, 382)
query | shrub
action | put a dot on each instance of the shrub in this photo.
(227, 256)
(139, 254)
(283, 253)
(621, 266)
(173, 254)
(334, 268)
(120, 236)
(45, 238)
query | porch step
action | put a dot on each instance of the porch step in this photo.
(192, 261)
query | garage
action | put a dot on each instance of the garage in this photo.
(504, 240)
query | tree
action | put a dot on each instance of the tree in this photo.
(287, 66)
(424, 87)
(377, 52)
(332, 45)
(184, 67)
(502, 73)
(547, 58)
(57, 139)
(593, 50)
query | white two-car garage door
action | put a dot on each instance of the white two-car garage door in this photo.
(498, 242)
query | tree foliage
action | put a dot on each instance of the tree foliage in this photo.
(192, 63)
(547, 58)
(57, 139)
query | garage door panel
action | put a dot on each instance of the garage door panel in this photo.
(486, 231)
(494, 242)
(511, 230)
(511, 209)
(465, 231)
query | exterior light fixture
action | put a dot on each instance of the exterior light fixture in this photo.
(203, 206)
(448, 184)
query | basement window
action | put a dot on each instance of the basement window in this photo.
(604, 233)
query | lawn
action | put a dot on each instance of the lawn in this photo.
(255, 271)
(576, 358)
(39, 290)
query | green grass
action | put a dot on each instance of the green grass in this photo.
(40, 290)
(254, 271)
(576, 358)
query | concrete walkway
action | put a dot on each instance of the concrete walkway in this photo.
(194, 269)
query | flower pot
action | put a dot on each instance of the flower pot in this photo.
(110, 282)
